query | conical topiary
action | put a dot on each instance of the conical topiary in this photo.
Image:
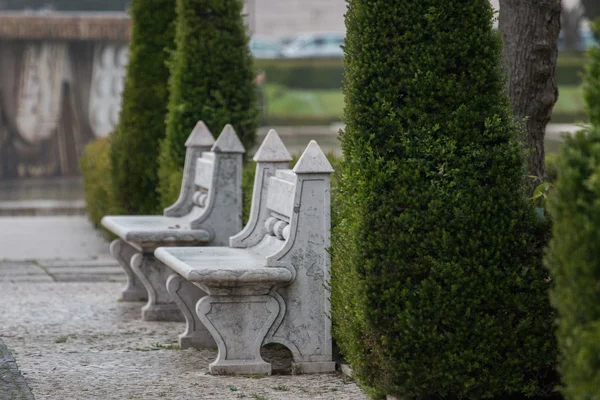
(135, 142)
(438, 287)
(211, 79)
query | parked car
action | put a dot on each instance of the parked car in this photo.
(261, 47)
(315, 45)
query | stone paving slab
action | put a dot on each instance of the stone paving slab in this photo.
(26, 278)
(118, 277)
(101, 262)
(45, 238)
(107, 270)
(76, 271)
(12, 384)
(75, 341)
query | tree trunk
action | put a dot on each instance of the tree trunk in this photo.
(530, 34)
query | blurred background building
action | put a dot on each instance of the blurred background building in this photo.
(62, 64)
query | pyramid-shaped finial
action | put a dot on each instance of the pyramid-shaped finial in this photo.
(313, 161)
(228, 142)
(200, 136)
(272, 149)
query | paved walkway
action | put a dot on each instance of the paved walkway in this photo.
(72, 339)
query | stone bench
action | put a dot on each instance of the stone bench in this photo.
(270, 284)
(207, 212)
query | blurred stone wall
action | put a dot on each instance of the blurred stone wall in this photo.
(60, 87)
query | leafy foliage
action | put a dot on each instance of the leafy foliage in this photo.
(574, 264)
(438, 286)
(95, 167)
(134, 147)
(211, 80)
(591, 81)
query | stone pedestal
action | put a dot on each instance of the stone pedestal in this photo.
(186, 296)
(238, 324)
(154, 274)
(133, 290)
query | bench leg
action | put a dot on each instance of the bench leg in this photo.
(123, 252)
(186, 295)
(154, 274)
(239, 325)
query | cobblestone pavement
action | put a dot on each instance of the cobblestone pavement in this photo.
(12, 384)
(72, 339)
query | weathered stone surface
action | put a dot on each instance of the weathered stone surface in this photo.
(272, 289)
(147, 232)
(134, 289)
(199, 141)
(238, 324)
(272, 149)
(207, 212)
(228, 142)
(153, 275)
(186, 295)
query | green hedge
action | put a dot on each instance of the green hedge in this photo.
(135, 142)
(329, 73)
(304, 73)
(575, 266)
(95, 167)
(438, 285)
(212, 77)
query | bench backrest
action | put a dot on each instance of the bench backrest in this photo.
(290, 226)
(211, 192)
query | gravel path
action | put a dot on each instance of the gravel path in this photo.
(73, 340)
(12, 384)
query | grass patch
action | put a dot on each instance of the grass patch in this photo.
(326, 105)
(298, 103)
(570, 100)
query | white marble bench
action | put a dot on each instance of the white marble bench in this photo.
(208, 212)
(270, 285)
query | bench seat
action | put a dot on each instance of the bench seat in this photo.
(223, 270)
(270, 284)
(152, 231)
(207, 212)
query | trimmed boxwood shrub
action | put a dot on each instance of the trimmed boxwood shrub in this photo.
(438, 285)
(591, 87)
(574, 263)
(134, 147)
(211, 80)
(327, 73)
(303, 73)
(95, 167)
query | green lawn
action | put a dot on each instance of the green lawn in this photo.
(282, 103)
(570, 100)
